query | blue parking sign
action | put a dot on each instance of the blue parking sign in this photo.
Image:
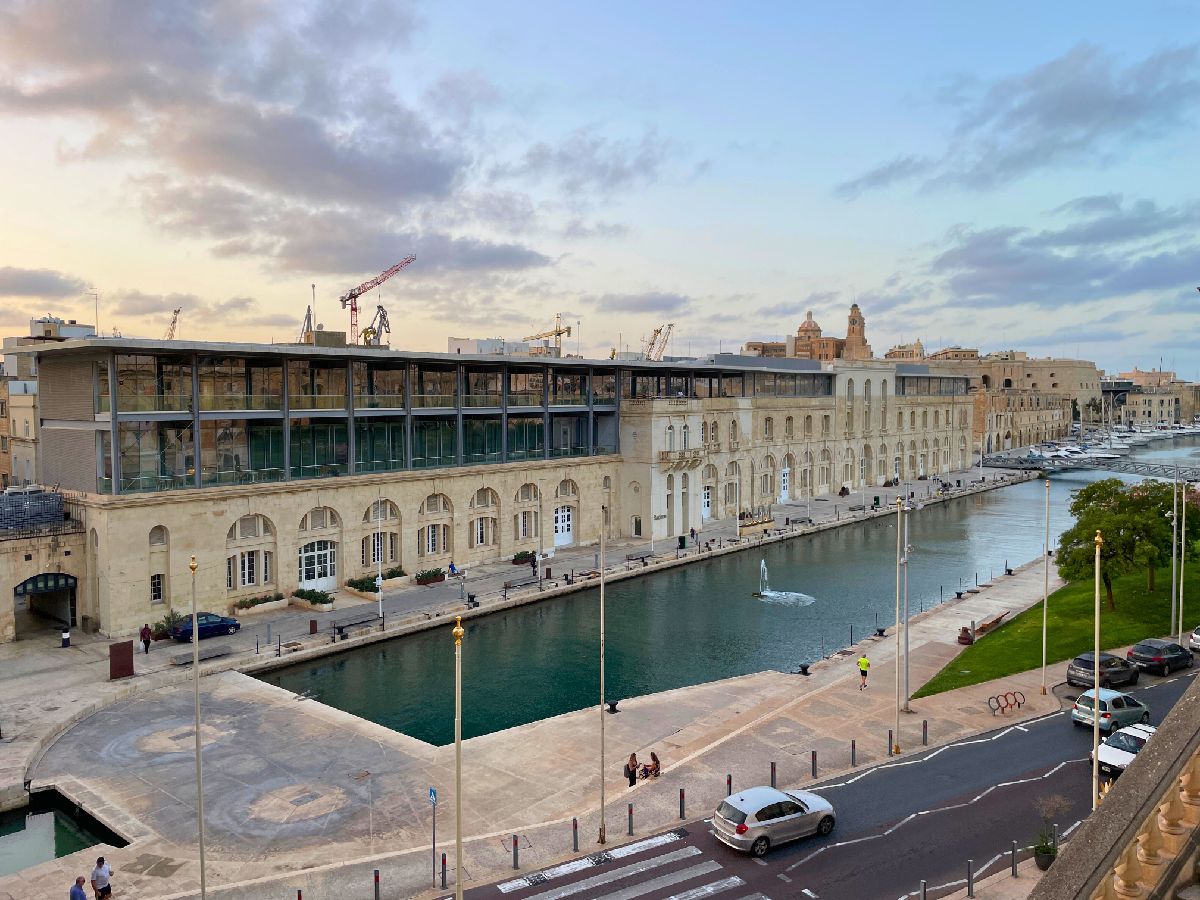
(433, 796)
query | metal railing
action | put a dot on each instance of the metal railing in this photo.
(154, 402)
(233, 402)
(379, 401)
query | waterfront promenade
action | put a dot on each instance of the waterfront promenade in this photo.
(297, 785)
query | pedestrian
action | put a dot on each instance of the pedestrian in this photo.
(693, 535)
(533, 566)
(864, 665)
(77, 891)
(102, 879)
(631, 769)
(146, 635)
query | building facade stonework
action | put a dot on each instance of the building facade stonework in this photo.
(290, 466)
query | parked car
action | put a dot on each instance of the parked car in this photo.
(1116, 710)
(1113, 670)
(1119, 748)
(757, 819)
(1160, 656)
(208, 625)
(1194, 640)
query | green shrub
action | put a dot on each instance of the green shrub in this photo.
(250, 602)
(162, 628)
(396, 572)
(430, 574)
(523, 556)
(313, 596)
(365, 583)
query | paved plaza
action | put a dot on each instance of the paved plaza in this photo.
(299, 795)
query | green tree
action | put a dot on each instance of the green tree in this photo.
(1134, 523)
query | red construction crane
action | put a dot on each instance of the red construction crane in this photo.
(350, 298)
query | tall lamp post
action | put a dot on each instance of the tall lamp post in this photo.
(1096, 680)
(601, 838)
(196, 698)
(458, 860)
(1182, 555)
(1046, 585)
(899, 538)
(379, 552)
(904, 563)
(1174, 541)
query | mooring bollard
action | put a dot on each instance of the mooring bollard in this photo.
(1054, 836)
(630, 830)
(924, 732)
(278, 645)
(299, 894)
(851, 634)
(376, 884)
(575, 835)
(814, 764)
(970, 878)
(1014, 859)
(256, 643)
(890, 743)
(515, 866)
(728, 784)
(681, 803)
(853, 753)
(772, 774)
(443, 871)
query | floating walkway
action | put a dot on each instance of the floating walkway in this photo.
(1128, 466)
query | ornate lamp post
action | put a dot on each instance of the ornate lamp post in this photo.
(601, 838)
(1045, 585)
(1096, 680)
(1182, 555)
(458, 860)
(899, 538)
(196, 698)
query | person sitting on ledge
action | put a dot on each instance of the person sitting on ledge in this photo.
(653, 768)
(452, 569)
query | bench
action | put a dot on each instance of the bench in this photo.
(210, 651)
(519, 582)
(856, 507)
(341, 626)
(985, 627)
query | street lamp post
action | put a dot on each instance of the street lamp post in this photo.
(904, 563)
(899, 538)
(379, 552)
(196, 698)
(1182, 556)
(1045, 584)
(1096, 680)
(458, 860)
(1174, 541)
(601, 838)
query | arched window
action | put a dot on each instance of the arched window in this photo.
(703, 432)
(713, 434)
(381, 544)
(883, 401)
(789, 427)
(768, 428)
(526, 517)
(160, 564)
(159, 536)
(435, 537)
(527, 492)
(250, 552)
(924, 418)
(567, 488)
(320, 517)
(825, 474)
(670, 437)
(684, 437)
(849, 404)
(808, 425)
(733, 430)
(485, 498)
(867, 405)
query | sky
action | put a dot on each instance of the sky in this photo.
(1006, 176)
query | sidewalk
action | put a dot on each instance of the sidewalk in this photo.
(368, 784)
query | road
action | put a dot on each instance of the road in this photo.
(918, 818)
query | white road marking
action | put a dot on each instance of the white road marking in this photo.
(807, 893)
(708, 890)
(785, 878)
(761, 862)
(586, 862)
(616, 874)
(926, 812)
(663, 881)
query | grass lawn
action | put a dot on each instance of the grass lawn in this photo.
(1016, 646)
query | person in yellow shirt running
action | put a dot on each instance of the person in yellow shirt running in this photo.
(864, 666)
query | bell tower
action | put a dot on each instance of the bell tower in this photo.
(856, 336)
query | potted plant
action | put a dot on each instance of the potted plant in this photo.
(1049, 807)
(430, 576)
(523, 558)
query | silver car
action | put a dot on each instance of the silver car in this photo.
(1194, 640)
(757, 819)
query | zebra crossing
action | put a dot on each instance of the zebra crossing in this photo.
(663, 867)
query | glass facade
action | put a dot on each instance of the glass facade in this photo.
(434, 442)
(379, 444)
(434, 386)
(230, 383)
(483, 389)
(481, 440)
(525, 387)
(318, 448)
(379, 385)
(153, 383)
(316, 384)
(526, 437)
(156, 456)
(236, 451)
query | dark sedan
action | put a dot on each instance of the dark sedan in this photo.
(1113, 671)
(208, 625)
(1156, 655)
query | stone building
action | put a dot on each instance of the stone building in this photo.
(914, 352)
(284, 466)
(810, 343)
(5, 449)
(23, 431)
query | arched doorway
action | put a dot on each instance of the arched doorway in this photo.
(318, 566)
(564, 513)
(44, 599)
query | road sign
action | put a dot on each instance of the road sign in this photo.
(433, 796)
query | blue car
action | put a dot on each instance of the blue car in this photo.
(208, 624)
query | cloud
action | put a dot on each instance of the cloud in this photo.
(817, 299)
(587, 162)
(196, 313)
(648, 302)
(578, 228)
(1082, 108)
(17, 282)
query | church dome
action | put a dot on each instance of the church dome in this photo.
(808, 325)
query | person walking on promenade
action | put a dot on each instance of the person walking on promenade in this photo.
(631, 769)
(102, 879)
(77, 891)
(864, 665)
(145, 636)
(533, 566)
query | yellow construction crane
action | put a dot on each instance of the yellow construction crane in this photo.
(556, 332)
(656, 345)
(174, 321)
